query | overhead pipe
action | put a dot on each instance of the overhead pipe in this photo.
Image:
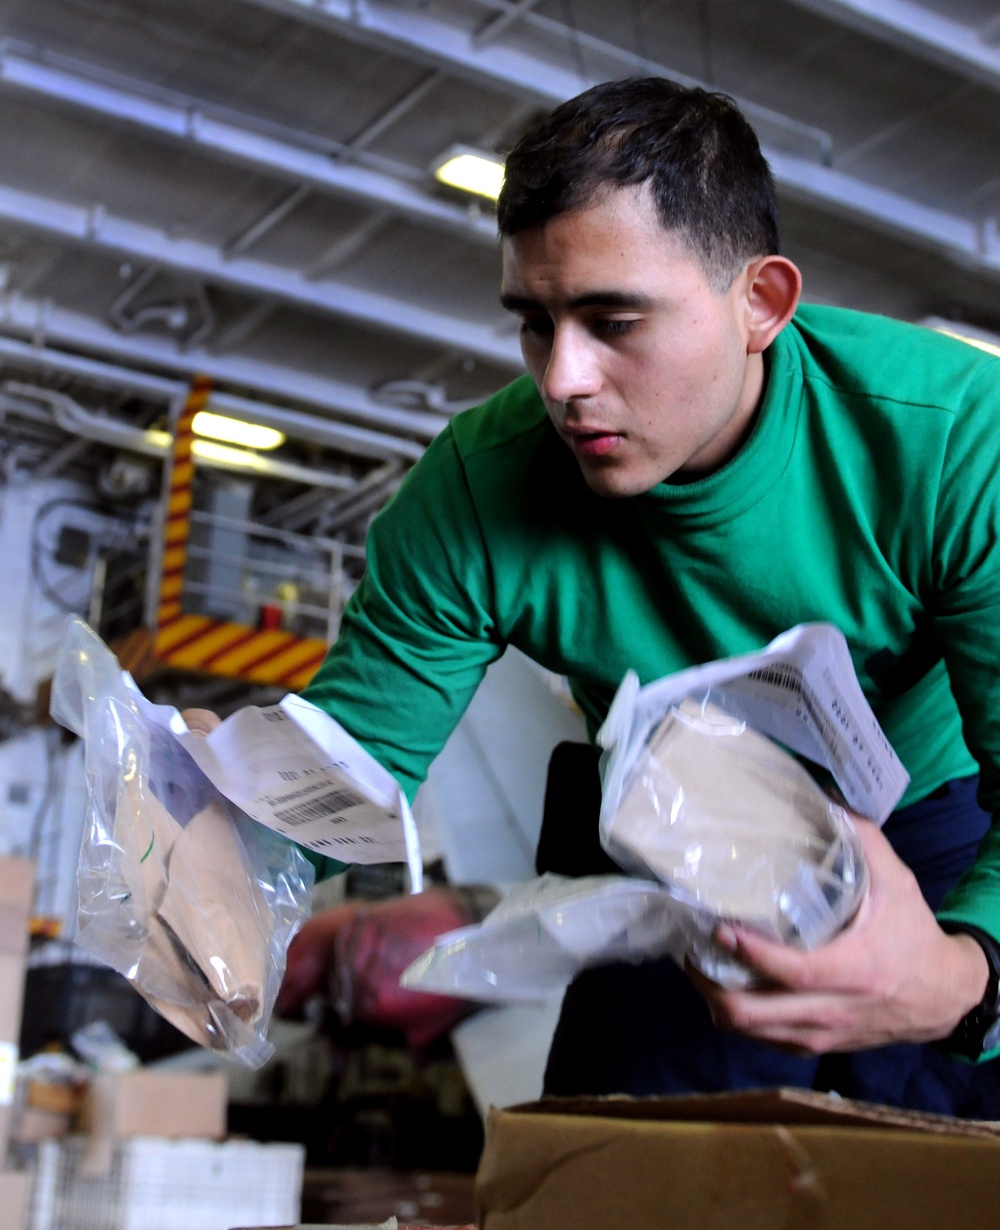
(42, 321)
(73, 419)
(350, 439)
(916, 28)
(335, 168)
(95, 227)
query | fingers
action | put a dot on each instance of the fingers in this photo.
(841, 963)
(805, 1024)
(201, 721)
(780, 965)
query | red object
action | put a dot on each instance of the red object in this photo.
(356, 952)
(270, 618)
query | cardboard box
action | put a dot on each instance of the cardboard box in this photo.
(34, 1125)
(11, 997)
(172, 1104)
(157, 1184)
(17, 883)
(17, 878)
(62, 1098)
(14, 1187)
(763, 1159)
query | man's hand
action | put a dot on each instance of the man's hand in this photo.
(891, 976)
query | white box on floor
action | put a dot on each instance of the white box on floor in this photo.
(158, 1184)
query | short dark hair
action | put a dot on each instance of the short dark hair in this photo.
(701, 158)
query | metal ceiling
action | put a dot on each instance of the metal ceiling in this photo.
(242, 188)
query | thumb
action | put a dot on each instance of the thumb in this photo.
(201, 721)
(876, 846)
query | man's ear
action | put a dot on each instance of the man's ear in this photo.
(773, 285)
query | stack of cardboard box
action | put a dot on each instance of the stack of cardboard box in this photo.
(16, 887)
(167, 1105)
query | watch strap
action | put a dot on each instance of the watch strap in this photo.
(979, 1030)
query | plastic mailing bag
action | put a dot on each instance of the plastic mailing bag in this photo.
(720, 821)
(186, 896)
(545, 931)
(697, 796)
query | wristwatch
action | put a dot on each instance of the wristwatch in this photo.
(979, 1030)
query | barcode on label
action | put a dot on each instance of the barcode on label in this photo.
(318, 809)
(779, 676)
(358, 839)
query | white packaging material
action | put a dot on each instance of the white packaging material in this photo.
(800, 690)
(543, 933)
(158, 1184)
(289, 766)
(294, 769)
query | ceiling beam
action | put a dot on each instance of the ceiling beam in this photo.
(94, 227)
(418, 34)
(923, 32)
(972, 246)
(235, 139)
(45, 325)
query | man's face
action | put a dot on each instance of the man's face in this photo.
(643, 367)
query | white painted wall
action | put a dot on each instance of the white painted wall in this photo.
(42, 809)
(482, 803)
(30, 623)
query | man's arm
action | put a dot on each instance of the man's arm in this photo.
(894, 974)
(418, 634)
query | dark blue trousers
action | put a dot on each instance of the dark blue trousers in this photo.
(643, 1029)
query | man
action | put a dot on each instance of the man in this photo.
(693, 465)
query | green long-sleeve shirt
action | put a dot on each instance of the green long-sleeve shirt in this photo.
(868, 495)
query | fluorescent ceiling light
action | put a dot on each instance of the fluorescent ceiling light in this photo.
(235, 431)
(964, 333)
(471, 171)
(222, 454)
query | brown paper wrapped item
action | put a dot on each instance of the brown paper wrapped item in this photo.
(213, 909)
(728, 818)
(204, 962)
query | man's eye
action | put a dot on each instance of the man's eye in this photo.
(536, 326)
(614, 327)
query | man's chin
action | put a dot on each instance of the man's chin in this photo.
(615, 483)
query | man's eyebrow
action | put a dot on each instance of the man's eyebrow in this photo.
(620, 299)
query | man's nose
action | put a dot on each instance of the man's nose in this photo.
(572, 369)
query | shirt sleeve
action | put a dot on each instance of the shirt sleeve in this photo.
(966, 616)
(418, 634)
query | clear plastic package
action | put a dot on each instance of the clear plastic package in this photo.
(700, 793)
(182, 893)
(736, 829)
(544, 932)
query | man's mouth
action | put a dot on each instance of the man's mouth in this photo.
(592, 443)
